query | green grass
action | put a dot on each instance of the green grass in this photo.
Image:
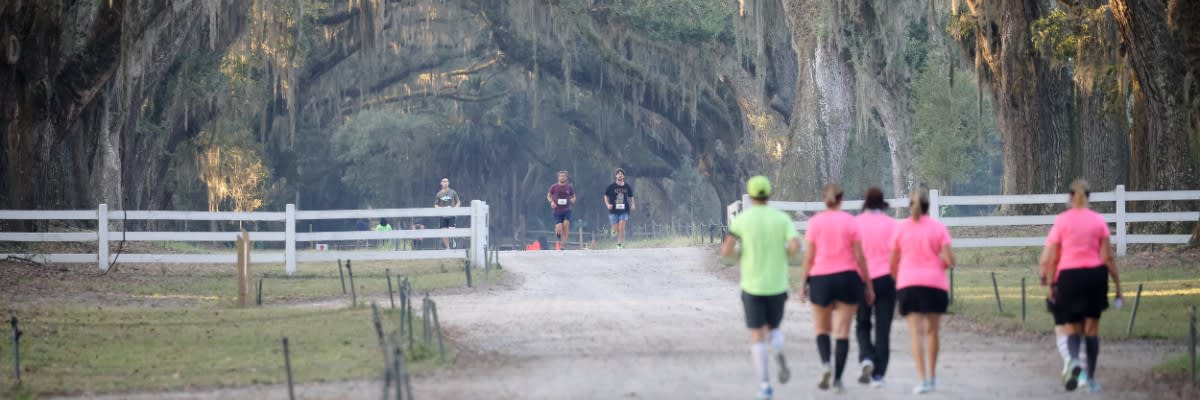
(1178, 366)
(216, 286)
(175, 328)
(89, 350)
(1168, 293)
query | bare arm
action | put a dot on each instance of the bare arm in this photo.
(865, 273)
(793, 246)
(606, 203)
(728, 245)
(810, 254)
(632, 204)
(894, 263)
(947, 256)
(1049, 263)
(1106, 251)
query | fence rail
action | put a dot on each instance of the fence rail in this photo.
(477, 233)
(1119, 197)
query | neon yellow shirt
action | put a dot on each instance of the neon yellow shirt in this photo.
(764, 233)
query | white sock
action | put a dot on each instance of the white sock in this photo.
(1061, 340)
(758, 355)
(776, 339)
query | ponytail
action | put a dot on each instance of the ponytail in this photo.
(1080, 191)
(919, 205)
(832, 195)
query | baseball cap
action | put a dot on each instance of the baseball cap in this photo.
(758, 186)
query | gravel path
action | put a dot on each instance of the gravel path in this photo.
(666, 324)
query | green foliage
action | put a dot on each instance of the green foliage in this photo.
(687, 189)
(679, 20)
(377, 148)
(1057, 36)
(946, 126)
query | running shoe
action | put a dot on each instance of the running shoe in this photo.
(877, 381)
(868, 368)
(764, 393)
(826, 377)
(1083, 378)
(1071, 374)
(558, 245)
(838, 387)
(784, 373)
(620, 246)
(612, 233)
(1093, 386)
(923, 388)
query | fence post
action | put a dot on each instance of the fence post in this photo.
(17, 347)
(1137, 301)
(1122, 227)
(1022, 299)
(935, 204)
(391, 297)
(1192, 366)
(287, 365)
(289, 239)
(102, 236)
(475, 222)
(995, 288)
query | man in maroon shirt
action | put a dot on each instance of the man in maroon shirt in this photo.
(561, 196)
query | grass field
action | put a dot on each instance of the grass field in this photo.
(1170, 288)
(146, 329)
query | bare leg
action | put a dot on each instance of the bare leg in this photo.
(620, 231)
(566, 232)
(916, 333)
(932, 341)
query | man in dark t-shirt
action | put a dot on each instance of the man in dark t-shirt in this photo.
(447, 197)
(619, 200)
(561, 196)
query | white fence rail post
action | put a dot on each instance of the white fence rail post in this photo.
(1122, 226)
(476, 217)
(102, 236)
(289, 239)
(935, 204)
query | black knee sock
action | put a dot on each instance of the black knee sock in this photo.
(823, 348)
(1073, 346)
(841, 350)
(1093, 351)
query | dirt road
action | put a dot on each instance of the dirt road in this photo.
(664, 324)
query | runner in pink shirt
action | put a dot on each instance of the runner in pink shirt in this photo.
(876, 228)
(835, 272)
(920, 257)
(1078, 257)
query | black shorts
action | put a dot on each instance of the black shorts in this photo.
(845, 287)
(922, 300)
(763, 310)
(1082, 294)
(1053, 309)
(448, 222)
(564, 216)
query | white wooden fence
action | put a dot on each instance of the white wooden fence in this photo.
(103, 236)
(1121, 238)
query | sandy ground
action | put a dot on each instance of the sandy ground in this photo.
(667, 324)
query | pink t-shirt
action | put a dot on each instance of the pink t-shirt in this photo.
(876, 229)
(919, 243)
(1079, 231)
(833, 234)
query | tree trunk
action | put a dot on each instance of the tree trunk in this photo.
(1031, 99)
(1165, 159)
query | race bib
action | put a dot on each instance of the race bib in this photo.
(620, 206)
(562, 202)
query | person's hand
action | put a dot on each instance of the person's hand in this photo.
(610, 206)
(1052, 294)
(1120, 294)
(803, 297)
(1044, 281)
(870, 295)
